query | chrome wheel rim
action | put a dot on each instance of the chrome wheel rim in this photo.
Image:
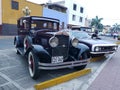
(31, 64)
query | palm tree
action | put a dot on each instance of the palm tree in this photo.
(116, 27)
(96, 23)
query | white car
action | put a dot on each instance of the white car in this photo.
(97, 46)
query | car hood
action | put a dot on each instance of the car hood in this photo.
(95, 41)
(50, 33)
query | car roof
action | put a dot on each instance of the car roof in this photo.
(41, 18)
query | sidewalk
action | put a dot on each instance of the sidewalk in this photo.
(109, 77)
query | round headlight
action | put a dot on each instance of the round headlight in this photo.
(97, 49)
(53, 41)
(74, 42)
(115, 48)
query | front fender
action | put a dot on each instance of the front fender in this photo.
(38, 48)
(18, 41)
(15, 39)
(41, 53)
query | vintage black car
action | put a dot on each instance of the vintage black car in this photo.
(98, 47)
(47, 48)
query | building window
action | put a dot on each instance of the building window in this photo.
(81, 19)
(14, 5)
(74, 6)
(73, 17)
(81, 9)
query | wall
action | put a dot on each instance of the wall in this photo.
(0, 12)
(55, 14)
(69, 5)
(10, 16)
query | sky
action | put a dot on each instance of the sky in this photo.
(109, 10)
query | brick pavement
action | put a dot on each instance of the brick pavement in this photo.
(109, 77)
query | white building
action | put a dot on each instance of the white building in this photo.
(76, 12)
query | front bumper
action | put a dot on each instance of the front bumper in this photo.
(104, 48)
(108, 52)
(53, 66)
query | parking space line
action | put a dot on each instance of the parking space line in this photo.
(62, 79)
(11, 81)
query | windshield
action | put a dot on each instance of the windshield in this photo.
(43, 24)
(80, 34)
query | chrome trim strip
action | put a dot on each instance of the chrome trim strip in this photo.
(50, 66)
(61, 67)
(43, 18)
(93, 47)
(102, 52)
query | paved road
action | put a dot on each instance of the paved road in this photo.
(6, 42)
(14, 72)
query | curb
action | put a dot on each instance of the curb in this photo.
(61, 79)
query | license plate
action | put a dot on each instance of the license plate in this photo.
(57, 59)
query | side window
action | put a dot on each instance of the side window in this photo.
(45, 25)
(21, 22)
(49, 25)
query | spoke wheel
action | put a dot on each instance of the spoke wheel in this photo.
(33, 65)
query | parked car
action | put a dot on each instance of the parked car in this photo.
(101, 34)
(108, 34)
(97, 46)
(47, 48)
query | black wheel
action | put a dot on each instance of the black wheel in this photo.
(81, 57)
(33, 65)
